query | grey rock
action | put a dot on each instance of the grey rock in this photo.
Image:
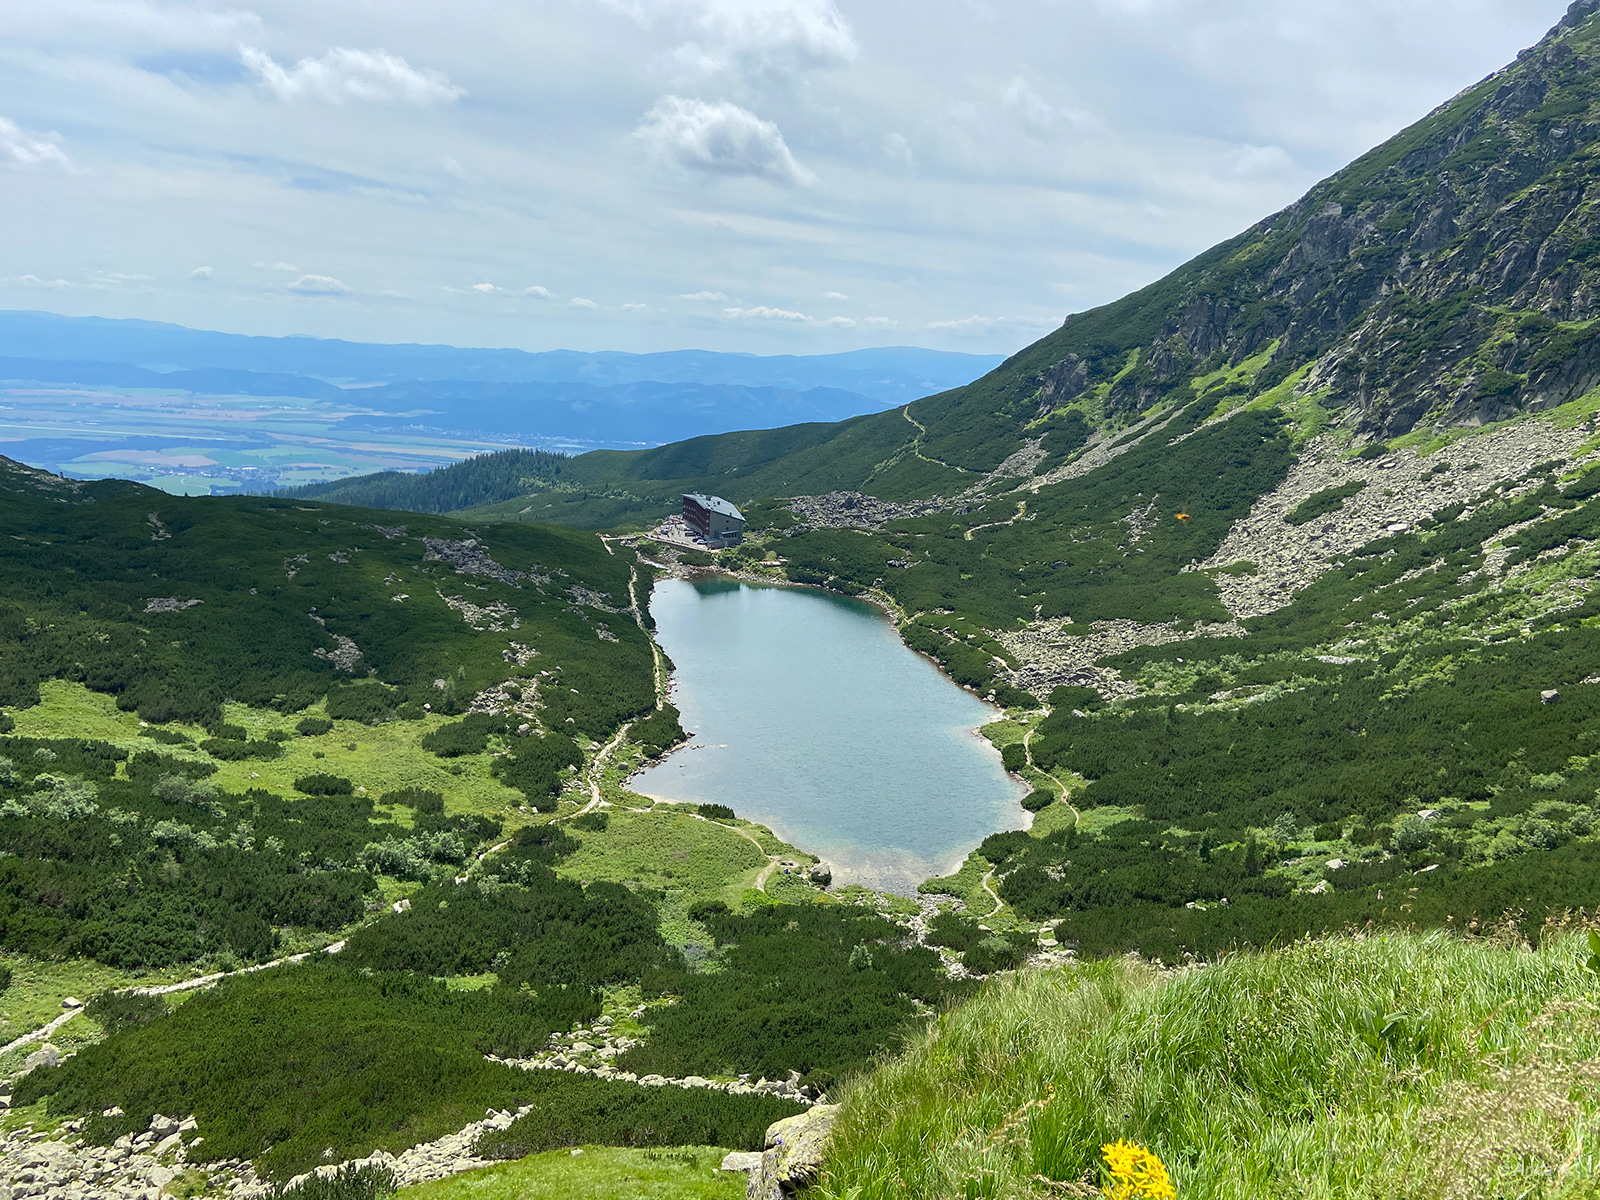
(1549, 696)
(741, 1160)
(794, 1155)
(162, 1126)
(45, 1056)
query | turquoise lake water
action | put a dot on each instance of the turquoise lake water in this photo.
(809, 715)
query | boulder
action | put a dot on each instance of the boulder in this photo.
(794, 1154)
(741, 1160)
(45, 1056)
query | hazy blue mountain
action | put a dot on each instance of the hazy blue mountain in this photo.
(88, 396)
(890, 375)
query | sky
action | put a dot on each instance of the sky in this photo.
(769, 176)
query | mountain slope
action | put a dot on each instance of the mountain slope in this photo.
(1446, 279)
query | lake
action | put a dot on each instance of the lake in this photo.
(812, 717)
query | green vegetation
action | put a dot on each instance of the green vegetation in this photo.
(482, 479)
(593, 1112)
(1104, 545)
(1367, 1066)
(685, 1173)
(151, 865)
(281, 1064)
(814, 989)
(347, 1183)
(1328, 500)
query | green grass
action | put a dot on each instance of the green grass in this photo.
(386, 757)
(668, 849)
(39, 985)
(1405, 1065)
(599, 1173)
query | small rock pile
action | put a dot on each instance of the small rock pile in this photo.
(855, 510)
(449, 1155)
(61, 1166)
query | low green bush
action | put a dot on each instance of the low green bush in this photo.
(368, 703)
(323, 784)
(1328, 500)
(116, 1011)
(423, 800)
(1038, 800)
(167, 737)
(601, 1113)
(659, 731)
(371, 1182)
(534, 767)
(281, 1065)
(470, 735)
(815, 989)
(231, 750)
(313, 726)
(717, 812)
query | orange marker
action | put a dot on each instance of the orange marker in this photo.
(1181, 516)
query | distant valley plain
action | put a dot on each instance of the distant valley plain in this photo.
(196, 413)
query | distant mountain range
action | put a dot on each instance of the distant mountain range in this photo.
(601, 398)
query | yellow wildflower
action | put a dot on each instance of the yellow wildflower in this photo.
(1136, 1173)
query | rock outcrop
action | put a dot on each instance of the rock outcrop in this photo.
(793, 1158)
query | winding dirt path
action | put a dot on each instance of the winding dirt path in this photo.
(1027, 746)
(916, 444)
(596, 771)
(1022, 511)
(993, 895)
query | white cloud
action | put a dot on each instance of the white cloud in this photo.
(896, 149)
(970, 324)
(717, 297)
(719, 139)
(580, 302)
(762, 313)
(635, 307)
(1037, 115)
(536, 290)
(1261, 160)
(35, 281)
(201, 273)
(753, 37)
(24, 149)
(977, 324)
(483, 287)
(834, 296)
(320, 285)
(345, 74)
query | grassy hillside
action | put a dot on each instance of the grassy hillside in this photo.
(1353, 1067)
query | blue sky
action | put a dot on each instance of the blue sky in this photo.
(776, 176)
